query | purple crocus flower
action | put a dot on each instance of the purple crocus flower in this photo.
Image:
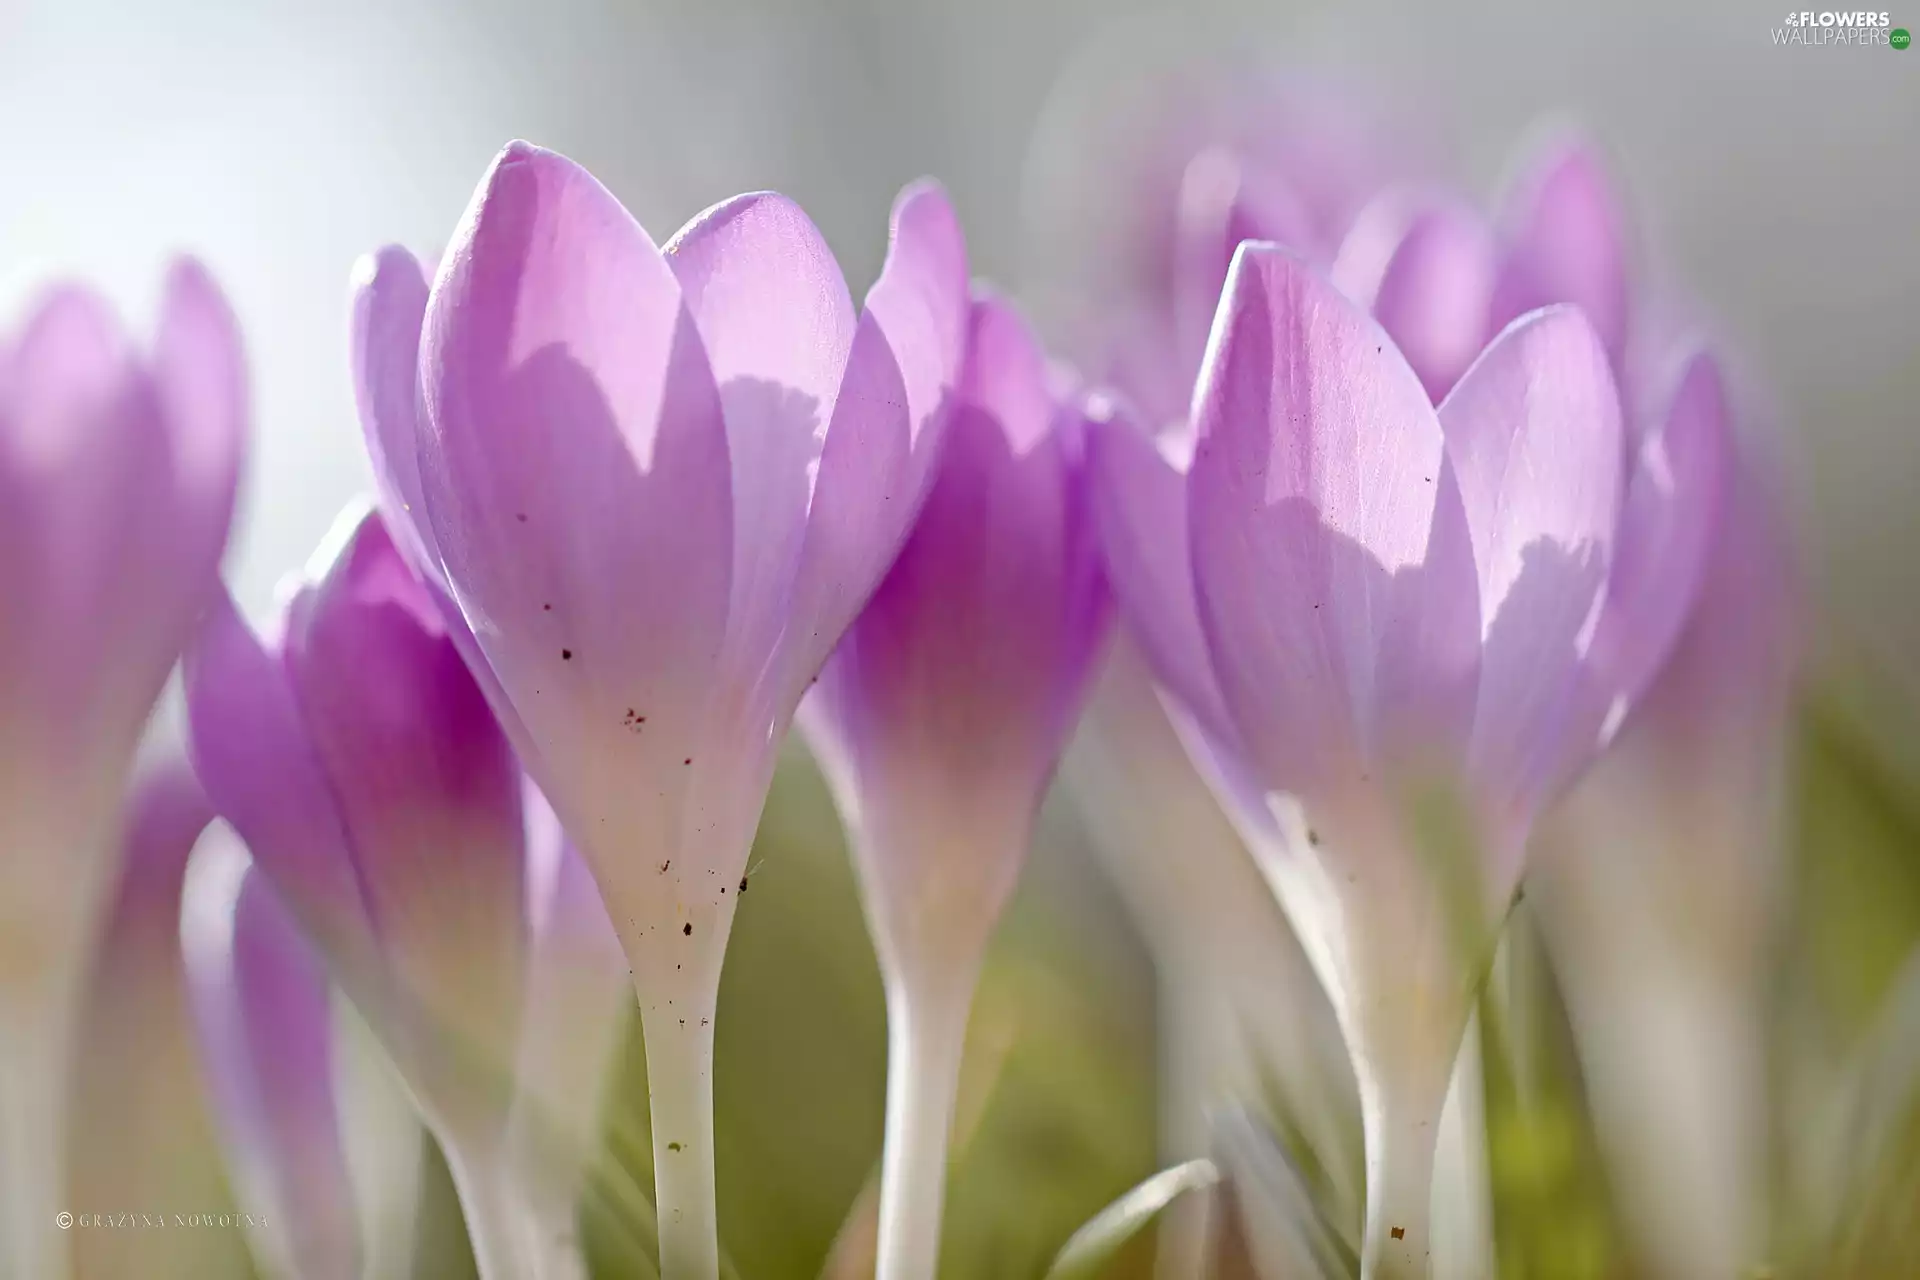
(1441, 282)
(939, 721)
(1377, 619)
(264, 1009)
(657, 485)
(117, 476)
(361, 765)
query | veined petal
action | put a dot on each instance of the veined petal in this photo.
(773, 313)
(889, 421)
(1333, 572)
(251, 750)
(1565, 241)
(1533, 431)
(575, 468)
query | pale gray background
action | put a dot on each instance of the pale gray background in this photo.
(280, 140)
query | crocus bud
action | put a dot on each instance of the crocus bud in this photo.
(939, 721)
(658, 485)
(117, 476)
(1389, 607)
(361, 765)
(264, 1011)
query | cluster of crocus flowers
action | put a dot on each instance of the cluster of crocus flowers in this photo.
(1405, 506)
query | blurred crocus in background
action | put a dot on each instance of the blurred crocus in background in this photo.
(1487, 839)
(360, 764)
(119, 466)
(264, 1011)
(939, 722)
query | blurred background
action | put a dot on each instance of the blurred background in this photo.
(280, 141)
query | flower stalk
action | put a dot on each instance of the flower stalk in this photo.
(926, 1037)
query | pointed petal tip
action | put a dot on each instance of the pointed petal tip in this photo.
(924, 208)
(1561, 330)
(1006, 370)
(749, 206)
(70, 321)
(388, 265)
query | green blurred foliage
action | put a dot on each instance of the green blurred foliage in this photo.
(1554, 1215)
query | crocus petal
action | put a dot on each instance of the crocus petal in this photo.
(888, 424)
(112, 593)
(389, 308)
(201, 371)
(776, 321)
(1329, 550)
(265, 1018)
(251, 750)
(1432, 291)
(975, 648)
(1671, 509)
(574, 438)
(425, 784)
(1140, 507)
(1565, 241)
(955, 690)
(1533, 431)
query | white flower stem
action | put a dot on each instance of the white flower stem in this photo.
(679, 1037)
(926, 1039)
(35, 1072)
(496, 1213)
(1401, 1117)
